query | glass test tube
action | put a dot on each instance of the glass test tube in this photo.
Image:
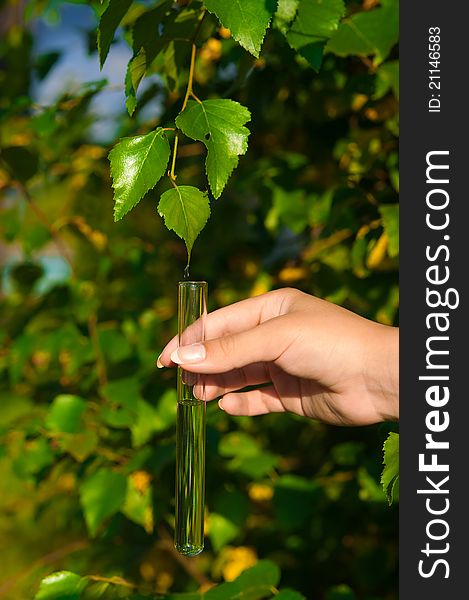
(190, 426)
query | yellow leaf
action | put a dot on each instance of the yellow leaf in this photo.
(211, 50)
(141, 481)
(292, 274)
(238, 560)
(378, 252)
(224, 32)
(262, 285)
(359, 101)
(260, 492)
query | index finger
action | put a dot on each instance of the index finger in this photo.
(235, 318)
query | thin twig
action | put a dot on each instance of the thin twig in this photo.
(186, 563)
(100, 363)
(47, 559)
(116, 580)
(188, 94)
(63, 251)
(172, 174)
(191, 77)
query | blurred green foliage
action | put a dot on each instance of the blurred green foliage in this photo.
(87, 422)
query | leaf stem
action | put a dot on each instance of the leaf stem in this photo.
(172, 174)
(116, 580)
(191, 76)
(54, 557)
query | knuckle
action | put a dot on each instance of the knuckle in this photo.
(285, 298)
(290, 292)
(226, 346)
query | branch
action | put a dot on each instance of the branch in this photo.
(116, 580)
(100, 364)
(172, 174)
(47, 559)
(188, 94)
(62, 249)
(186, 563)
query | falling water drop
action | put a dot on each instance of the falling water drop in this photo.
(186, 272)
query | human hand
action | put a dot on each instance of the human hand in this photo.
(320, 360)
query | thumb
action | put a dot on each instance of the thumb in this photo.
(264, 343)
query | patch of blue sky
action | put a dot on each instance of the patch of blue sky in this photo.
(76, 66)
(55, 271)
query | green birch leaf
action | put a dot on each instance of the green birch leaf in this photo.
(138, 505)
(175, 64)
(315, 22)
(387, 78)
(255, 583)
(136, 70)
(390, 474)
(147, 32)
(247, 19)
(263, 572)
(62, 585)
(367, 33)
(137, 164)
(390, 216)
(101, 496)
(109, 22)
(35, 455)
(147, 43)
(222, 531)
(65, 414)
(79, 445)
(289, 208)
(219, 124)
(340, 592)
(185, 210)
(285, 14)
(146, 422)
(153, 32)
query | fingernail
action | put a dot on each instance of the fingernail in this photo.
(159, 364)
(219, 404)
(188, 354)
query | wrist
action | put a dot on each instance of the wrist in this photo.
(382, 373)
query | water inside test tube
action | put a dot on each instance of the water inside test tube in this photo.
(190, 429)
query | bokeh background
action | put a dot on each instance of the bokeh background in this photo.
(86, 421)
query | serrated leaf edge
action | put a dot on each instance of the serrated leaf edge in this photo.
(323, 41)
(252, 50)
(388, 489)
(157, 131)
(176, 187)
(217, 194)
(102, 59)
